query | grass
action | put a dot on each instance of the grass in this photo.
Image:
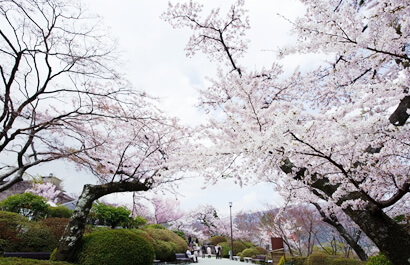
(18, 261)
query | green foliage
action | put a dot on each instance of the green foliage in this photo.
(11, 225)
(117, 246)
(18, 261)
(179, 233)
(248, 244)
(217, 239)
(138, 222)
(262, 251)
(297, 260)
(249, 252)
(112, 216)
(324, 259)
(37, 239)
(166, 243)
(155, 226)
(60, 211)
(55, 225)
(238, 247)
(379, 259)
(26, 204)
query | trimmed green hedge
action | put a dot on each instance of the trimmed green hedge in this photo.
(165, 242)
(238, 247)
(18, 261)
(217, 239)
(118, 246)
(323, 259)
(250, 252)
(11, 225)
(37, 239)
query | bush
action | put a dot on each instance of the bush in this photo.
(164, 251)
(26, 204)
(37, 239)
(297, 260)
(180, 234)
(324, 259)
(18, 261)
(249, 252)
(166, 243)
(248, 244)
(262, 251)
(380, 259)
(11, 225)
(155, 226)
(60, 211)
(117, 246)
(55, 225)
(238, 247)
(217, 239)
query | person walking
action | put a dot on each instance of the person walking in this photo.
(203, 250)
(208, 249)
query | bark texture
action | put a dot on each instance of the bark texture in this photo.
(70, 241)
(390, 237)
(333, 221)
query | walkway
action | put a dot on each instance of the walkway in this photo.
(214, 261)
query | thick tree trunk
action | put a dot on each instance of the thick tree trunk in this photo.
(71, 239)
(391, 238)
(342, 231)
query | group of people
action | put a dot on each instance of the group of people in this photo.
(194, 249)
(208, 250)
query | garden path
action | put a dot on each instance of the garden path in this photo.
(214, 261)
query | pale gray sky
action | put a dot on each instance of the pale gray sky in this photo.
(155, 62)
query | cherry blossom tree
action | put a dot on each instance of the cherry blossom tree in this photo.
(166, 210)
(336, 134)
(56, 68)
(140, 153)
(46, 190)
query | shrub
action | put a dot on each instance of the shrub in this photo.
(324, 259)
(238, 247)
(117, 246)
(155, 226)
(55, 225)
(164, 251)
(163, 240)
(179, 233)
(37, 239)
(60, 211)
(217, 239)
(26, 204)
(380, 259)
(18, 261)
(11, 225)
(248, 244)
(297, 260)
(262, 251)
(249, 252)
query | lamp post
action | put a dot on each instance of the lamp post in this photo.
(230, 214)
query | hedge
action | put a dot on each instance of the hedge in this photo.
(115, 247)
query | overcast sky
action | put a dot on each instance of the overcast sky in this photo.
(155, 61)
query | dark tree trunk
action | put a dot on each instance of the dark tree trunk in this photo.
(391, 238)
(342, 231)
(70, 241)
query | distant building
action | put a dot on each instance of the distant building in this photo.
(22, 186)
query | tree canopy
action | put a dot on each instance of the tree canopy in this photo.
(336, 134)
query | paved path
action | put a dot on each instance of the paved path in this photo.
(214, 261)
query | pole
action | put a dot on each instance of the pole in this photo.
(230, 214)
